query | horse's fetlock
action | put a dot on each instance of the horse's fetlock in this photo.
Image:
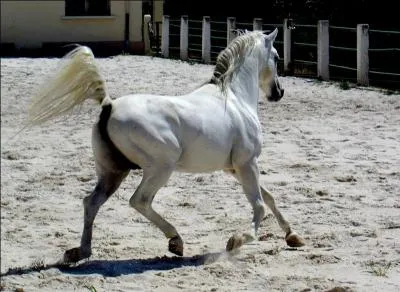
(260, 211)
(86, 252)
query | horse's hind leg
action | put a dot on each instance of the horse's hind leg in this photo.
(107, 184)
(292, 239)
(153, 179)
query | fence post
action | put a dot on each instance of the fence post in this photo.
(165, 37)
(184, 37)
(287, 46)
(146, 34)
(362, 54)
(257, 24)
(206, 40)
(323, 49)
(231, 26)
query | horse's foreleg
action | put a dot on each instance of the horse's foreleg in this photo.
(105, 187)
(248, 176)
(292, 239)
(142, 199)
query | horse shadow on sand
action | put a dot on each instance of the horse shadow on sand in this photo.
(115, 268)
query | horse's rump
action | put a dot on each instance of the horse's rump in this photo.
(119, 159)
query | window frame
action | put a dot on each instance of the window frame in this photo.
(87, 8)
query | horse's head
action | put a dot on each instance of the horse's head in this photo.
(269, 81)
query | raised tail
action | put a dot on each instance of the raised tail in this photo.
(77, 79)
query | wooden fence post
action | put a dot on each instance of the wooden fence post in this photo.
(323, 50)
(146, 34)
(362, 54)
(206, 40)
(287, 43)
(257, 24)
(165, 37)
(184, 37)
(231, 26)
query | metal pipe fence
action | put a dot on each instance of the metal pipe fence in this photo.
(328, 52)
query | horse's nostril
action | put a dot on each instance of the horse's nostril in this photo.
(282, 92)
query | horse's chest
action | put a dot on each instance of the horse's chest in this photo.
(248, 140)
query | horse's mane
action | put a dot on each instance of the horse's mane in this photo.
(232, 57)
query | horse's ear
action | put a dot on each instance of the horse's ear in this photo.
(271, 37)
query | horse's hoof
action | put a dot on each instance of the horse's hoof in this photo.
(293, 240)
(74, 255)
(175, 245)
(234, 242)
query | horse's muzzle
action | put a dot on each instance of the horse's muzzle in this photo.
(276, 92)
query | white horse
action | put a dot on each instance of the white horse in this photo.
(215, 127)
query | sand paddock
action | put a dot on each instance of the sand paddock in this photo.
(331, 158)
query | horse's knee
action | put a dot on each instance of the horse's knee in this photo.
(139, 202)
(94, 197)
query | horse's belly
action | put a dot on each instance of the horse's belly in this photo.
(203, 159)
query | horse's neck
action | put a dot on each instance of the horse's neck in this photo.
(245, 84)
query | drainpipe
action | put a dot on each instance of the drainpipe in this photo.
(126, 31)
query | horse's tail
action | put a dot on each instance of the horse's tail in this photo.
(77, 79)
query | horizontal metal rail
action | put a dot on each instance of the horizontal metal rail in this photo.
(244, 24)
(194, 60)
(194, 50)
(273, 24)
(217, 30)
(195, 45)
(195, 35)
(218, 22)
(384, 50)
(384, 73)
(342, 67)
(385, 31)
(218, 38)
(195, 28)
(305, 62)
(305, 25)
(305, 44)
(195, 21)
(219, 47)
(343, 48)
(343, 28)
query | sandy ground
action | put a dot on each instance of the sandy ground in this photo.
(331, 157)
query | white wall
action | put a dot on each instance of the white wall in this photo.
(30, 23)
